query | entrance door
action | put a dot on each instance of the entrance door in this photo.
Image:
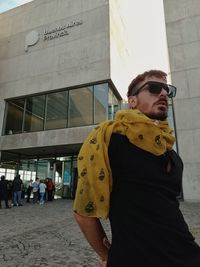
(58, 177)
(70, 177)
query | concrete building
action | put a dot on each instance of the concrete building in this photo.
(57, 80)
(183, 37)
(59, 74)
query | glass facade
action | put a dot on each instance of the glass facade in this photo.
(172, 123)
(75, 107)
(100, 102)
(62, 170)
(113, 105)
(56, 110)
(27, 170)
(81, 107)
(9, 172)
(34, 114)
(14, 120)
(68, 108)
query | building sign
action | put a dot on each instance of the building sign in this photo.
(33, 37)
(60, 31)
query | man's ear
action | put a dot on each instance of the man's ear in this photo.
(132, 102)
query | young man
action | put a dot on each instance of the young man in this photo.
(35, 186)
(129, 172)
(17, 185)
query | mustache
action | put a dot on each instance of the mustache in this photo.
(162, 99)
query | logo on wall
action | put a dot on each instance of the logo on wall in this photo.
(60, 31)
(33, 37)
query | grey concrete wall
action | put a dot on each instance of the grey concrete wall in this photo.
(67, 136)
(183, 35)
(80, 56)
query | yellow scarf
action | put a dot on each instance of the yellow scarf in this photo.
(94, 173)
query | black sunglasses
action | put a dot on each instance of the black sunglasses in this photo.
(156, 88)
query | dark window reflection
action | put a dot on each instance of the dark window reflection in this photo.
(34, 118)
(80, 107)
(56, 115)
(171, 122)
(113, 105)
(14, 120)
(70, 108)
(100, 102)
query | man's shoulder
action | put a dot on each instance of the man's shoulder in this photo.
(117, 137)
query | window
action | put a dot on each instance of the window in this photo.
(80, 107)
(34, 118)
(2, 171)
(14, 120)
(44, 168)
(68, 108)
(27, 170)
(113, 105)
(10, 174)
(100, 102)
(171, 122)
(56, 115)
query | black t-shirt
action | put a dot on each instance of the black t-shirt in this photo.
(17, 185)
(148, 229)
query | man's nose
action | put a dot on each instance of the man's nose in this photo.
(163, 92)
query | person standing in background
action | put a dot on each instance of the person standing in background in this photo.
(35, 186)
(42, 189)
(4, 191)
(50, 189)
(17, 190)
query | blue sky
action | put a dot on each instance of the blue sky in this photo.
(9, 4)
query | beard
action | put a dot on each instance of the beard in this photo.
(161, 115)
(156, 111)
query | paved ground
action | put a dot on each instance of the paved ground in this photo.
(47, 235)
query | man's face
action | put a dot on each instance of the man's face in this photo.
(154, 106)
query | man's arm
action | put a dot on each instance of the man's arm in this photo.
(95, 235)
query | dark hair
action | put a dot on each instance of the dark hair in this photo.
(141, 77)
(2, 177)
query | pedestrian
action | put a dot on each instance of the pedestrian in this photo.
(42, 189)
(50, 189)
(4, 191)
(29, 190)
(17, 185)
(35, 186)
(129, 172)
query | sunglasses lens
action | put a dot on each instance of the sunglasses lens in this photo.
(155, 88)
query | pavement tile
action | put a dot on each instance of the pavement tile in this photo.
(47, 235)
